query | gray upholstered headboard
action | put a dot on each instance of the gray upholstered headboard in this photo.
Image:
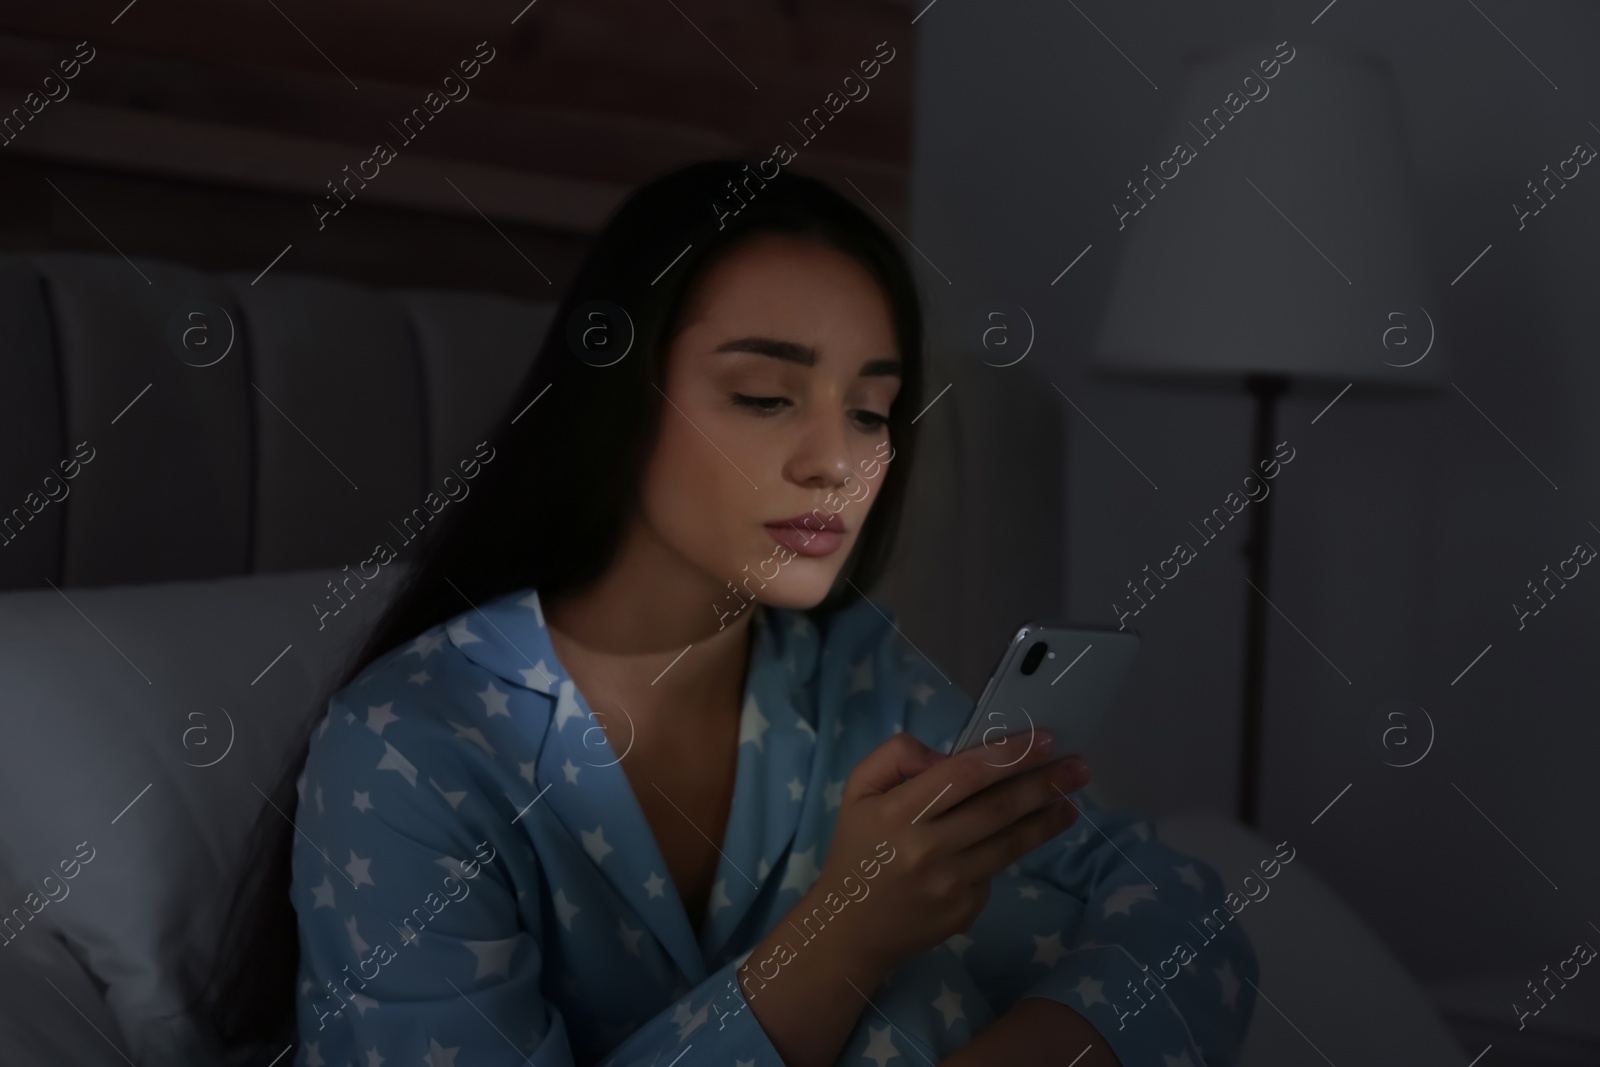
(337, 409)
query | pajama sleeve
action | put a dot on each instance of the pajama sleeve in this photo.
(421, 908)
(1157, 963)
(713, 1021)
(1154, 960)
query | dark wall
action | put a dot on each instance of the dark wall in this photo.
(1407, 524)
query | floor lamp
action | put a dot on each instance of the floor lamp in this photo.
(1274, 246)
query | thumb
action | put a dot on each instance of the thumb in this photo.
(899, 758)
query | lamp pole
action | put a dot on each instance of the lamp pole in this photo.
(1265, 388)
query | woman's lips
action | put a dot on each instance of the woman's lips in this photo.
(806, 542)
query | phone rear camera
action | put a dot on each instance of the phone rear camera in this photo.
(1034, 657)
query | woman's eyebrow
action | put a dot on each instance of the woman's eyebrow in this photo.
(767, 346)
(804, 355)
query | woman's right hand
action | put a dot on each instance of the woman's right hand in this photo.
(935, 829)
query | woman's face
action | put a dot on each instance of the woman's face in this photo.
(778, 385)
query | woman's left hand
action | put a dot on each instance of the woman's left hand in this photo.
(1036, 1032)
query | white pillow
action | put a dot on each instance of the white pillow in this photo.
(54, 1012)
(1350, 999)
(112, 700)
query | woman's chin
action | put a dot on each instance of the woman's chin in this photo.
(800, 590)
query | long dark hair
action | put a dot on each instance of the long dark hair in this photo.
(549, 512)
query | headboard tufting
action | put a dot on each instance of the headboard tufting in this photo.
(166, 423)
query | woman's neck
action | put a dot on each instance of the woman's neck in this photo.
(645, 636)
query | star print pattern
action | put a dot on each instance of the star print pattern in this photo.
(495, 701)
(494, 957)
(594, 843)
(453, 797)
(359, 869)
(1090, 991)
(752, 724)
(1121, 901)
(801, 870)
(427, 644)
(1047, 950)
(538, 677)
(1191, 877)
(880, 1049)
(473, 734)
(459, 633)
(380, 716)
(565, 909)
(484, 852)
(567, 705)
(393, 761)
(949, 1004)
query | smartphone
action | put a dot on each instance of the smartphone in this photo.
(1052, 677)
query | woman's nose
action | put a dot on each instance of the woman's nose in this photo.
(822, 453)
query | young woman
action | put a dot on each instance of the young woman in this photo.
(634, 771)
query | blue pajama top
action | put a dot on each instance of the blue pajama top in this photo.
(477, 885)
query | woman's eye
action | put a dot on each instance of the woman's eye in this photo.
(764, 405)
(869, 421)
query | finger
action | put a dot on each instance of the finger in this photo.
(890, 764)
(995, 853)
(958, 777)
(995, 809)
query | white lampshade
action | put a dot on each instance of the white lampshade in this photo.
(1213, 279)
